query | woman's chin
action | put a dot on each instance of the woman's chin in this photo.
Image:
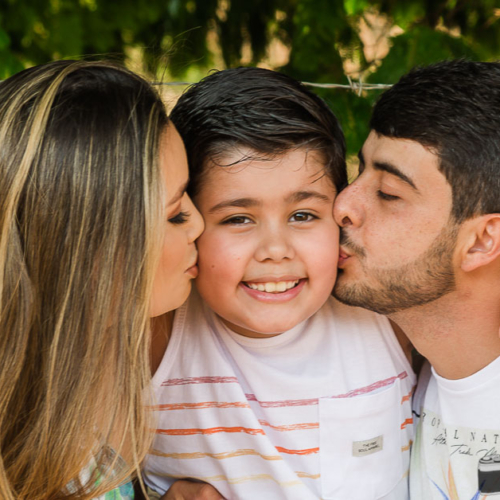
(171, 300)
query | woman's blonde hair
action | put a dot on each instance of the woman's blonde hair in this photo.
(80, 208)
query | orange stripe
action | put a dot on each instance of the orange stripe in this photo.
(198, 406)
(409, 395)
(310, 451)
(407, 447)
(216, 456)
(294, 427)
(406, 422)
(212, 430)
(307, 475)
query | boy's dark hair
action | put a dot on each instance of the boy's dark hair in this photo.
(264, 110)
(452, 108)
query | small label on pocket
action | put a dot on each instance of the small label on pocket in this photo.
(368, 446)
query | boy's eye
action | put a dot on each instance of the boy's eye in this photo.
(237, 220)
(386, 197)
(179, 218)
(303, 217)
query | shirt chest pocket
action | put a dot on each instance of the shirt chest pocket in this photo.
(360, 445)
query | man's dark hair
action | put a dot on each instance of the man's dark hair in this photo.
(452, 108)
(260, 109)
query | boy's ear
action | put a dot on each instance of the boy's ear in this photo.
(482, 242)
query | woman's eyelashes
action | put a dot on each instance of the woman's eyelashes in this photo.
(179, 218)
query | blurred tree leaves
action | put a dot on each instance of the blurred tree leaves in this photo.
(323, 37)
(420, 46)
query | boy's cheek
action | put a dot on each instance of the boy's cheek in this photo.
(208, 244)
(220, 243)
(217, 260)
(324, 254)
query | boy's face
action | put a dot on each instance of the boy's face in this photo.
(268, 256)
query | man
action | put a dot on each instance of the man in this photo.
(420, 243)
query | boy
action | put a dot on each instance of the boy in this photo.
(270, 388)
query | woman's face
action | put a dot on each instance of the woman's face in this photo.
(177, 265)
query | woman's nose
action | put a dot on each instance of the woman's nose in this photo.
(196, 223)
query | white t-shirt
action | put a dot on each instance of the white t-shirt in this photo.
(320, 411)
(456, 453)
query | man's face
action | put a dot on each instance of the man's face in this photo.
(397, 239)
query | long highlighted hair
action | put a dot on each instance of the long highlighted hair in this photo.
(80, 211)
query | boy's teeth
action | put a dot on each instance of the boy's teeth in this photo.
(272, 286)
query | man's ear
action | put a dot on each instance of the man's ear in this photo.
(482, 245)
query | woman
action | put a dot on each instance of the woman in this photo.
(96, 236)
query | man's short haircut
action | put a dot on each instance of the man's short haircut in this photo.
(260, 109)
(453, 109)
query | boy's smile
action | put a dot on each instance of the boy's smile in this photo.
(274, 291)
(268, 256)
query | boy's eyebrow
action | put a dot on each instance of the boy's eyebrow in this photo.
(237, 203)
(299, 196)
(390, 169)
(296, 197)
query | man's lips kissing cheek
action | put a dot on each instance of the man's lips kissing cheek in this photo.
(343, 257)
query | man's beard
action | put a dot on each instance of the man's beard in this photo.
(427, 278)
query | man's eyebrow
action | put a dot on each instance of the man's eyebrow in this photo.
(299, 196)
(391, 169)
(179, 194)
(235, 203)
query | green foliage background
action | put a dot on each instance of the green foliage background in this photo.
(185, 39)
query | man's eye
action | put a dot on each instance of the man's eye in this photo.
(237, 220)
(303, 217)
(386, 197)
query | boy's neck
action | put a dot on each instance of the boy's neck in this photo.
(244, 332)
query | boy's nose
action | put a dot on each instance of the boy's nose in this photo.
(348, 209)
(274, 245)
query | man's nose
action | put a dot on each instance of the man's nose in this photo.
(349, 206)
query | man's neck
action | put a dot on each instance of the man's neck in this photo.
(458, 334)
